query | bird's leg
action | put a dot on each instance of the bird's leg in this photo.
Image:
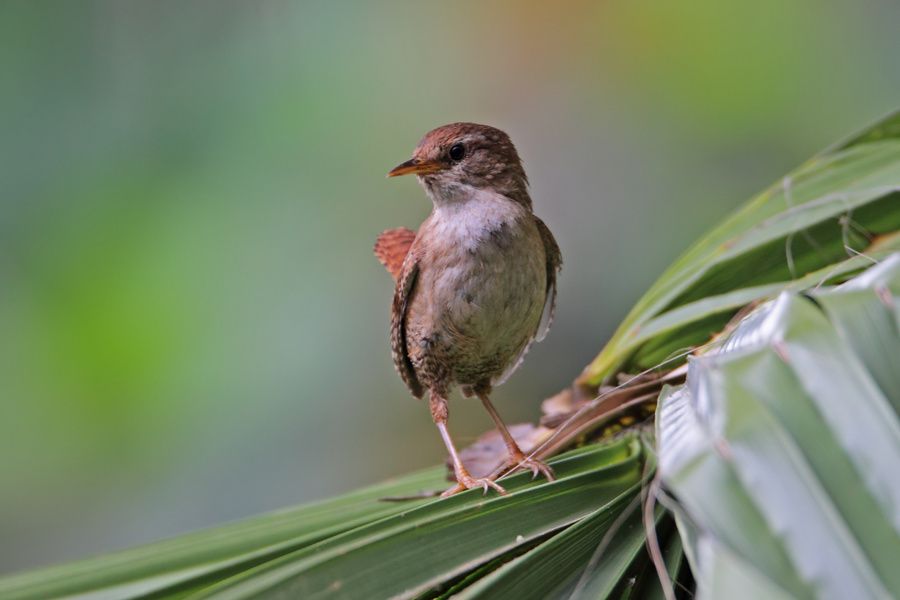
(517, 458)
(438, 405)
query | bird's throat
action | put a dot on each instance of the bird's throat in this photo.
(476, 219)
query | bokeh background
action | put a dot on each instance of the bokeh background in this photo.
(193, 326)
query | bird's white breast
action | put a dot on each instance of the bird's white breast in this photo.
(484, 286)
(471, 220)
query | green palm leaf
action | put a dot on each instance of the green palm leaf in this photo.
(778, 450)
(782, 448)
(794, 234)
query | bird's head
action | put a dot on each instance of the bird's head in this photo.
(454, 159)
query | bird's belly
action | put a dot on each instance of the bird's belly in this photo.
(482, 308)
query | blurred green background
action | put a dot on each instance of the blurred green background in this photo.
(194, 328)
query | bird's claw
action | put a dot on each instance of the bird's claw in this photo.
(537, 467)
(467, 482)
(486, 484)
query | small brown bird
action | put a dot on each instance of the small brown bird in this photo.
(476, 285)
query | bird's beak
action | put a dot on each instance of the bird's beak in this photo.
(414, 165)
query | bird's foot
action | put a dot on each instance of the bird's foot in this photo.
(537, 467)
(467, 482)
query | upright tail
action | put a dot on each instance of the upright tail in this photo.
(391, 248)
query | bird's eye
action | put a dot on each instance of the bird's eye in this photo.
(457, 152)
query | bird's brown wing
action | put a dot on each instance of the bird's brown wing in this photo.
(554, 263)
(391, 248)
(408, 273)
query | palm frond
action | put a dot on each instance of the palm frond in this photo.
(778, 448)
(782, 448)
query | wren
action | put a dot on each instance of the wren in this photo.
(476, 285)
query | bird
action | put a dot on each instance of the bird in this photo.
(475, 286)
